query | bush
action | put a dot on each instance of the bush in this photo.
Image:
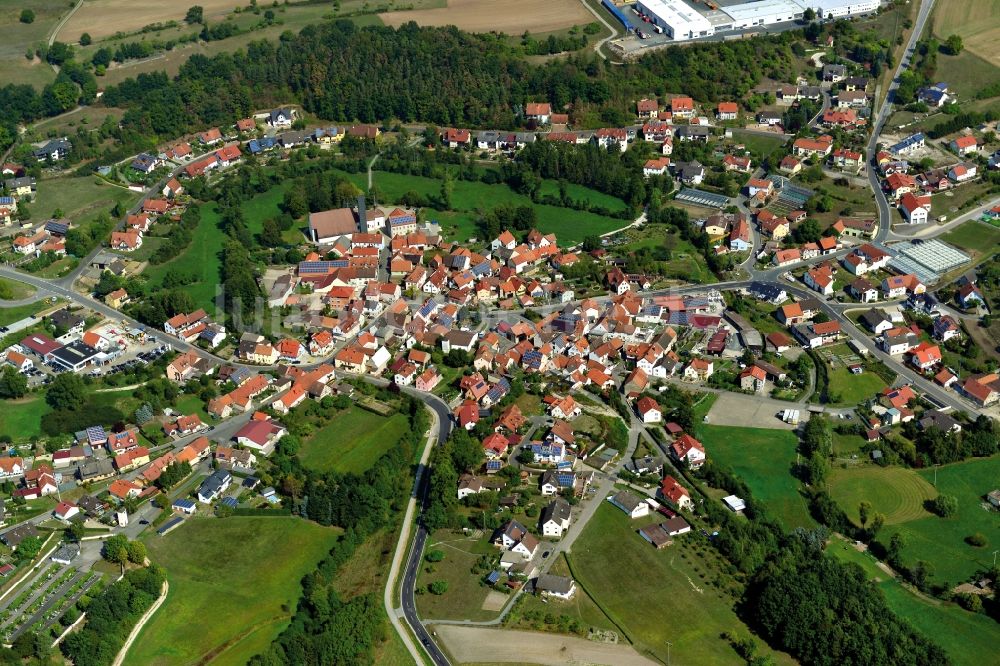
(978, 540)
(943, 505)
(27, 16)
(970, 602)
(434, 556)
(438, 587)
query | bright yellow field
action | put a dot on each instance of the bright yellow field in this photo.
(977, 22)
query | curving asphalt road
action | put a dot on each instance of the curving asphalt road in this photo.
(421, 486)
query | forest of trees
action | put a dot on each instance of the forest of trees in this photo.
(439, 75)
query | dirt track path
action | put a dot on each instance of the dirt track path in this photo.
(120, 657)
(475, 644)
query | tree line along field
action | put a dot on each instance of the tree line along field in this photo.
(965, 636)
(232, 582)
(512, 16)
(103, 18)
(764, 460)
(615, 566)
(292, 17)
(899, 494)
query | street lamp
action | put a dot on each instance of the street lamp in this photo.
(669, 645)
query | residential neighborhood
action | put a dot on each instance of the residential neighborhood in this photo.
(427, 344)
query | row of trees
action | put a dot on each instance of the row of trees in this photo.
(111, 616)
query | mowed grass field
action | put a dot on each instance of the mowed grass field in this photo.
(968, 72)
(895, 492)
(86, 117)
(19, 37)
(465, 595)
(80, 198)
(202, 260)
(759, 144)
(973, 236)
(512, 16)
(230, 582)
(352, 442)
(763, 459)
(658, 595)
(22, 418)
(14, 313)
(941, 541)
(850, 389)
(899, 494)
(13, 290)
(966, 637)
(469, 197)
(975, 21)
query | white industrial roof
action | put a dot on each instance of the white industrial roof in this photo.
(763, 8)
(677, 14)
(828, 5)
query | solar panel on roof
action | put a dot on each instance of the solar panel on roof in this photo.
(322, 266)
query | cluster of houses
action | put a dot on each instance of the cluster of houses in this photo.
(47, 237)
(153, 210)
(19, 187)
(910, 189)
(195, 326)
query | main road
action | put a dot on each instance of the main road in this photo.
(882, 115)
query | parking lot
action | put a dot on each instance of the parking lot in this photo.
(750, 411)
(134, 357)
(126, 348)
